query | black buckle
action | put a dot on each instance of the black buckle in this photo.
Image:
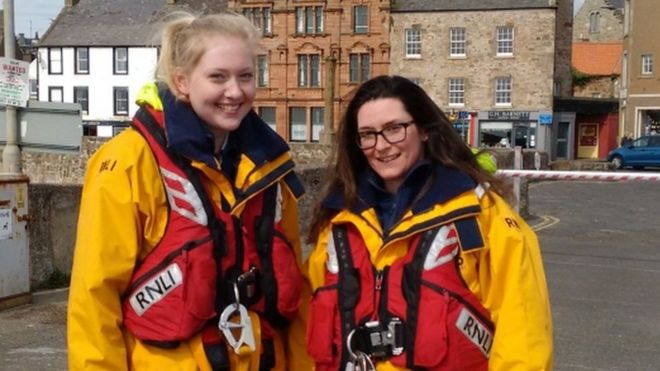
(248, 286)
(378, 340)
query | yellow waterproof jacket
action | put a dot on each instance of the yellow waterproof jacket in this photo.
(123, 215)
(506, 275)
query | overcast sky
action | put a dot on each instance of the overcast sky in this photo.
(34, 15)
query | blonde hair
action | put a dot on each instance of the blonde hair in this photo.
(182, 41)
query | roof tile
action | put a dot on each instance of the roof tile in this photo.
(598, 59)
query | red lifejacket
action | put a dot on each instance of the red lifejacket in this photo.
(188, 278)
(418, 312)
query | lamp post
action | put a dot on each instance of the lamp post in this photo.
(11, 154)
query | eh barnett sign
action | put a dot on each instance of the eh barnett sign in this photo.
(14, 82)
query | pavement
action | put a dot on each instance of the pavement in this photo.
(33, 336)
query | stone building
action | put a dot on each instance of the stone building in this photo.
(599, 21)
(315, 51)
(494, 67)
(597, 69)
(640, 93)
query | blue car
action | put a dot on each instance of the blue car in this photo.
(644, 151)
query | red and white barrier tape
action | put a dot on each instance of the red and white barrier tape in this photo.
(577, 175)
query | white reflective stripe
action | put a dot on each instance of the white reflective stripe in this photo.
(332, 264)
(156, 289)
(480, 191)
(435, 258)
(189, 195)
(278, 204)
(474, 330)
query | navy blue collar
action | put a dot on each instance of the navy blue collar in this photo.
(438, 182)
(189, 136)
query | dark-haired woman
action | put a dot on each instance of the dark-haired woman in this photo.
(419, 262)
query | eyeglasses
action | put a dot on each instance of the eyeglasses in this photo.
(392, 134)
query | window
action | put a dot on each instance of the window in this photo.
(413, 43)
(317, 123)
(297, 124)
(309, 19)
(81, 95)
(55, 94)
(82, 61)
(121, 101)
(456, 92)
(359, 67)
(34, 89)
(268, 115)
(594, 22)
(55, 61)
(261, 18)
(262, 71)
(457, 42)
(309, 72)
(360, 19)
(503, 91)
(647, 64)
(505, 40)
(120, 61)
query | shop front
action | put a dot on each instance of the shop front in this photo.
(508, 129)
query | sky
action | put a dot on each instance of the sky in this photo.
(32, 16)
(37, 12)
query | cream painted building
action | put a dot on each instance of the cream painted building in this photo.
(640, 94)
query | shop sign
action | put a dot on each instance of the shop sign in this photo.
(508, 115)
(14, 82)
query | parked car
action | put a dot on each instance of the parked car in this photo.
(644, 151)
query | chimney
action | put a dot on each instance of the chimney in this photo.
(70, 3)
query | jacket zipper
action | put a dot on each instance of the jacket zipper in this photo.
(190, 245)
(378, 286)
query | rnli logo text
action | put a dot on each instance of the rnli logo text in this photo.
(475, 331)
(156, 289)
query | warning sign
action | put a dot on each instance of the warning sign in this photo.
(14, 82)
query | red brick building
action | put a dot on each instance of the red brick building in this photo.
(300, 38)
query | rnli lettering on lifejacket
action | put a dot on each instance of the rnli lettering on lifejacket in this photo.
(156, 289)
(475, 331)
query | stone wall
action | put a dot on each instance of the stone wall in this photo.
(610, 23)
(52, 168)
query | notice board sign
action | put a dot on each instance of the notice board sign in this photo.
(14, 86)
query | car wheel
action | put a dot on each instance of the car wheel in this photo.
(617, 161)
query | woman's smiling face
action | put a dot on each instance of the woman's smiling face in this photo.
(221, 88)
(391, 161)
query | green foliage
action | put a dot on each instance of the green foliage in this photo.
(581, 79)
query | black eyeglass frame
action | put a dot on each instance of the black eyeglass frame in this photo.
(404, 125)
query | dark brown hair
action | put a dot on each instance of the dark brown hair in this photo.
(444, 145)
